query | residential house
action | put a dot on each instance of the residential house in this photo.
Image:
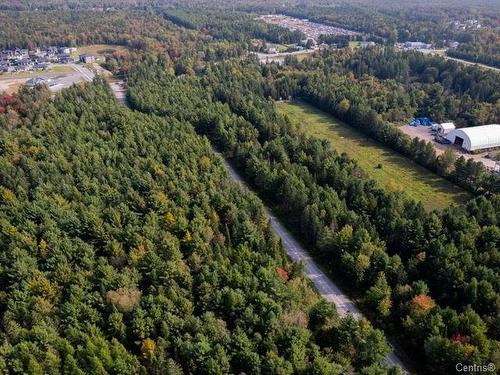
(23, 65)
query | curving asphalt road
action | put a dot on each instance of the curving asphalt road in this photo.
(326, 287)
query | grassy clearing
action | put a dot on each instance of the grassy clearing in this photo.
(282, 47)
(55, 69)
(302, 55)
(354, 44)
(98, 50)
(397, 173)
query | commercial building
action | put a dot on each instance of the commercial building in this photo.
(88, 59)
(418, 46)
(476, 138)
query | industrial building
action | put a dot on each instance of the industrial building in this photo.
(476, 138)
(445, 127)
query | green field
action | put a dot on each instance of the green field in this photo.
(99, 50)
(54, 69)
(353, 44)
(397, 173)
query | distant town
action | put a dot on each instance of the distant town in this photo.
(313, 31)
(38, 59)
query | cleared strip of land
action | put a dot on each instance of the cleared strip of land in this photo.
(397, 173)
(325, 286)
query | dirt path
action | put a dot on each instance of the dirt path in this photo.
(325, 286)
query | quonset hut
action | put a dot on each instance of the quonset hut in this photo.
(476, 138)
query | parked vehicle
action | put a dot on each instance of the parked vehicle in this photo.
(442, 140)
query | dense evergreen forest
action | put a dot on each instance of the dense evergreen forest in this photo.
(383, 21)
(482, 48)
(126, 248)
(233, 26)
(432, 23)
(136, 29)
(430, 276)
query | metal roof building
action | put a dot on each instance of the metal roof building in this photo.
(476, 138)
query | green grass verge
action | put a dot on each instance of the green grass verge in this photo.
(398, 173)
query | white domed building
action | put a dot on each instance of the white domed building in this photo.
(476, 138)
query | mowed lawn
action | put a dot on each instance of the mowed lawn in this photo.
(398, 173)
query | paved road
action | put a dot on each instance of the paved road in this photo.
(326, 287)
(87, 74)
(472, 63)
(120, 91)
(79, 74)
(442, 53)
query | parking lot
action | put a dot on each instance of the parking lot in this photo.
(424, 132)
(61, 76)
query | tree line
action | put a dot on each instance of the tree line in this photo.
(483, 47)
(431, 276)
(374, 106)
(232, 25)
(125, 248)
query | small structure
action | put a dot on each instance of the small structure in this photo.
(366, 44)
(417, 45)
(37, 81)
(87, 58)
(6, 68)
(21, 54)
(476, 138)
(445, 127)
(24, 64)
(64, 58)
(6, 54)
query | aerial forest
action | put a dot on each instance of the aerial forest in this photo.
(126, 247)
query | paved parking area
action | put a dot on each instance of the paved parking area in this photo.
(62, 76)
(424, 132)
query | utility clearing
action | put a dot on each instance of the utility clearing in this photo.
(390, 169)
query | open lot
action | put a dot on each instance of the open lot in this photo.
(397, 173)
(65, 75)
(266, 58)
(98, 50)
(423, 132)
(309, 28)
(61, 75)
(55, 69)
